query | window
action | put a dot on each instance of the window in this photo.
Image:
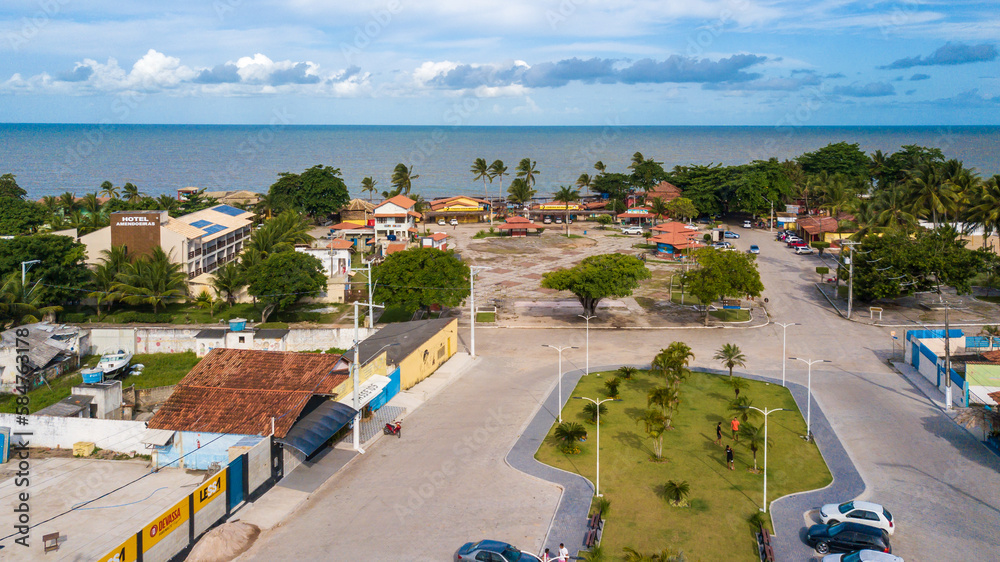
(243, 339)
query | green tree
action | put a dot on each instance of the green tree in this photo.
(730, 355)
(481, 171)
(604, 220)
(131, 193)
(584, 182)
(646, 173)
(527, 170)
(568, 434)
(105, 275)
(206, 301)
(626, 372)
(498, 170)
(837, 158)
(402, 179)
(283, 278)
(665, 397)
(228, 281)
(930, 194)
(566, 195)
(616, 186)
(20, 217)
(318, 191)
(109, 190)
(611, 385)
(167, 203)
(753, 438)
(590, 411)
(368, 184)
(420, 277)
(672, 362)
(738, 385)
(279, 234)
(67, 201)
(722, 274)
(519, 192)
(676, 491)
(9, 188)
(151, 280)
(659, 208)
(897, 166)
(61, 272)
(598, 277)
(22, 304)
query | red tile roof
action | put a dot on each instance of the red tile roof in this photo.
(995, 396)
(393, 248)
(817, 225)
(340, 245)
(518, 223)
(672, 226)
(238, 391)
(400, 200)
(349, 226)
(438, 236)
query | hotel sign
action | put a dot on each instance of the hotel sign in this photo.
(139, 231)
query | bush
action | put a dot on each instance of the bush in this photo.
(131, 317)
(75, 317)
(820, 245)
(492, 230)
(541, 230)
(480, 234)
(604, 220)
(822, 270)
(272, 325)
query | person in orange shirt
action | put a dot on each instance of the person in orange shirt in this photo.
(736, 428)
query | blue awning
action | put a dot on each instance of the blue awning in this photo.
(315, 428)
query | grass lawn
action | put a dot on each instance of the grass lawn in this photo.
(396, 314)
(731, 314)
(486, 317)
(994, 299)
(714, 526)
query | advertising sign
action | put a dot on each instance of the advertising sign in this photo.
(210, 490)
(125, 552)
(168, 522)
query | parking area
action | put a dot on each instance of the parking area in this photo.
(59, 484)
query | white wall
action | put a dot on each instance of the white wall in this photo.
(47, 431)
(152, 339)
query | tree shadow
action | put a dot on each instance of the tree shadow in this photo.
(633, 440)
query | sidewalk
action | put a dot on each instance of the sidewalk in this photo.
(296, 487)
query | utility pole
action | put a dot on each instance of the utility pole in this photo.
(472, 305)
(355, 367)
(370, 321)
(850, 279)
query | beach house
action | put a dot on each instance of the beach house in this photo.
(395, 220)
(462, 208)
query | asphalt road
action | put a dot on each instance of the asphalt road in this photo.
(421, 497)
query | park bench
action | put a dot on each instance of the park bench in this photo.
(764, 545)
(593, 534)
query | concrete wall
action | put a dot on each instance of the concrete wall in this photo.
(156, 339)
(199, 450)
(427, 358)
(121, 436)
(258, 464)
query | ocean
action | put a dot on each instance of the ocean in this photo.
(49, 159)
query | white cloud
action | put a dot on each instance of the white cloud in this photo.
(431, 70)
(156, 70)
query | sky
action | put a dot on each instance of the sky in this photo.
(511, 62)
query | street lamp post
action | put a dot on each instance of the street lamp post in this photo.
(588, 317)
(597, 488)
(559, 380)
(809, 386)
(766, 412)
(25, 266)
(472, 305)
(783, 327)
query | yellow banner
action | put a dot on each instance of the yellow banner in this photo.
(210, 490)
(165, 524)
(127, 551)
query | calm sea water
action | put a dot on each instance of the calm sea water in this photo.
(51, 159)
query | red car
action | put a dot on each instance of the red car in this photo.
(797, 244)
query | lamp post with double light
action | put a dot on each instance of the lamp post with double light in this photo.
(588, 318)
(597, 404)
(559, 379)
(766, 413)
(809, 362)
(783, 328)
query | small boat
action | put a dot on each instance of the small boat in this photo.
(114, 364)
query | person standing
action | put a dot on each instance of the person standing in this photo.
(718, 434)
(729, 458)
(546, 557)
(563, 553)
(735, 424)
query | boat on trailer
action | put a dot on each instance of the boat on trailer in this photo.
(114, 364)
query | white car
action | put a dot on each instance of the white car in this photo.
(746, 224)
(866, 513)
(803, 250)
(862, 556)
(454, 222)
(441, 222)
(547, 220)
(631, 230)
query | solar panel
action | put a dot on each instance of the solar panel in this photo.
(201, 224)
(214, 228)
(227, 210)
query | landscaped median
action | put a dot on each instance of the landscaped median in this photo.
(711, 520)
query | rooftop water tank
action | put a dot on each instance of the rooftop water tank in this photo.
(238, 324)
(92, 376)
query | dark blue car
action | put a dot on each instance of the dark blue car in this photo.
(493, 551)
(847, 537)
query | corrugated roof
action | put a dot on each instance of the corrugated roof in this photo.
(408, 335)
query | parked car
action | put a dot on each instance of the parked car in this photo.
(721, 245)
(547, 220)
(441, 222)
(454, 222)
(632, 230)
(847, 537)
(866, 513)
(558, 220)
(795, 244)
(862, 556)
(799, 250)
(746, 224)
(730, 234)
(754, 249)
(493, 551)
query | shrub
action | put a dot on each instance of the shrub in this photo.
(541, 230)
(131, 317)
(604, 220)
(612, 385)
(75, 317)
(272, 325)
(492, 230)
(822, 270)
(480, 234)
(820, 245)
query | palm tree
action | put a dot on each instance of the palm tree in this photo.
(659, 207)
(637, 160)
(737, 384)
(268, 205)
(112, 262)
(930, 193)
(568, 434)
(566, 195)
(595, 554)
(590, 410)
(206, 301)
(228, 281)
(627, 372)
(740, 408)
(498, 170)
(368, 184)
(51, 203)
(986, 210)
(753, 438)
(91, 204)
(632, 555)
(151, 280)
(676, 491)
(892, 209)
(481, 171)
(585, 182)
(611, 385)
(167, 203)
(131, 192)
(280, 234)
(672, 361)
(600, 167)
(877, 168)
(527, 171)
(730, 356)
(22, 303)
(68, 203)
(520, 192)
(651, 418)
(109, 190)
(665, 397)
(402, 179)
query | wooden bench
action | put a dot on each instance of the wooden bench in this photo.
(593, 534)
(764, 545)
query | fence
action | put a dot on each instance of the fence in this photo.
(246, 477)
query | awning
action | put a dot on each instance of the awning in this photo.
(157, 437)
(368, 390)
(312, 430)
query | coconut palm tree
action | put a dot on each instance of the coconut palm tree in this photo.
(600, 167)
(228, 281)
(481, 171)
(109, 190)
(738, 384)
(112, 262)
(676, 491)
(730, 356)
(368, 184)
(568, 434)
(51, 203)
(637, 160)
(151, 280)
(167, 203)
(498, 170)
(91, 203)
(68, 203)
(877, 168)
(892, 209)
(22, 303)
(659, 207)
(611, 385)
(753, 437)
(280, 234)
(986, 208)
(590, 410)
(131, 193)
(930, 194)
(520, 192)
(402, 179)
(527, 171)
(566, 195)
(585, 182)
